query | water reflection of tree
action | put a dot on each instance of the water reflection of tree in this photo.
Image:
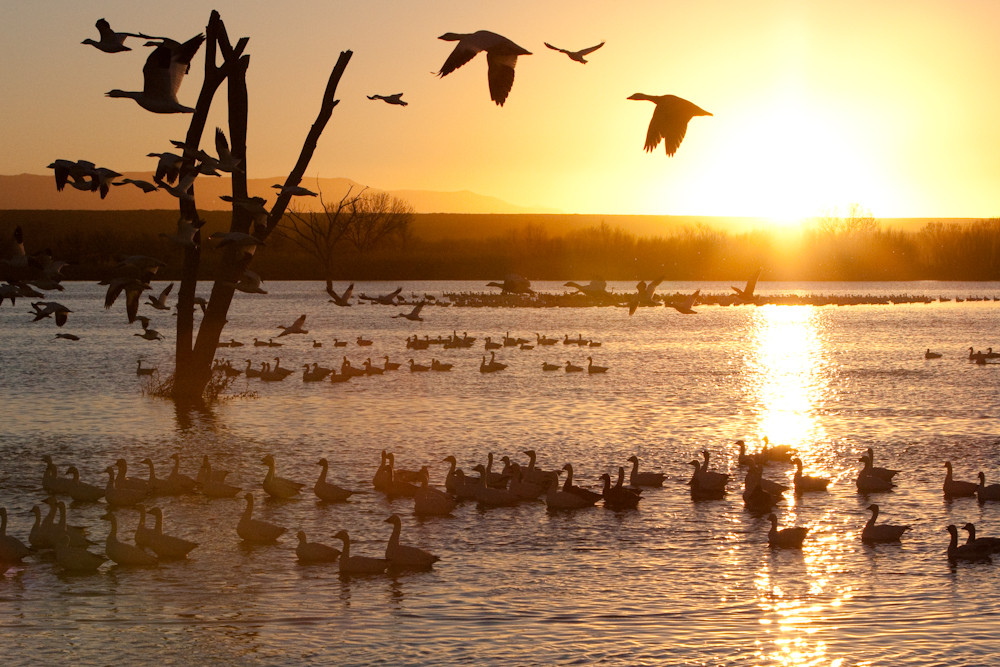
(364, 220)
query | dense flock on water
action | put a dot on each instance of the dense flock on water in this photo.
(53, 537)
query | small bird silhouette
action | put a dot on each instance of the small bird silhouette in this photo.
(389, 99)
(578, 56)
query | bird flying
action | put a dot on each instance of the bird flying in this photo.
(162, 75)
(396, 98)
(578, 56)
(501, 56)
(669, 121)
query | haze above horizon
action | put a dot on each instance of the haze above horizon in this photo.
(815, 105)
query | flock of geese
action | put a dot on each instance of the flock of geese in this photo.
(512, 485)
(314, 372)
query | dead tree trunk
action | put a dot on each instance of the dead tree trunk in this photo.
(193, 368)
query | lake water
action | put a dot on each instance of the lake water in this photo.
(675, 582)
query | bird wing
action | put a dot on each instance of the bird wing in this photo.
(160, 79)
(752, 283)
(107, 34)
(501, 76)
(555, 48)
(463, 52)
(416, 309)
(591, 49)
(165, 292)
(669, 124)
(297, 324)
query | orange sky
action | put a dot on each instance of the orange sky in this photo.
(891, 104)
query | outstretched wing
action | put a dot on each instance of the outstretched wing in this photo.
(501, 76)
(461, 54)
(591, 49)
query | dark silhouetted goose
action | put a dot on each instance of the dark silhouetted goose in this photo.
(44, 309)
(76, 559)
(592, 368)
(278, 487)
(874, 533)
(501, 57)
(686, 305)
(884, 473)
(401, 556)
(746, 294)
(121, 496)
(489, 496)
(755, 497)
(342, 300)
(429, 501)
(868, 482)
(578, 56)
(12, 550)
(111, 41)
(162, 75)
(669, 121)
(314, 552)
(413, 315)
(991, 544)
(81, 491)
(984, 492)
(327, 491)
(569, 487)
(124, 553)
(971, 552)
(145, 186)
(357, 564)
(807, 483)
(931, 355)
(618, 498)
(956, 489)
(513, 284)
(637, 478)
(787, 538)
(556, 499)
(396, 98)
(573, 368)
(255, 530)
(294, 328)
(160, 302)
(294, 190)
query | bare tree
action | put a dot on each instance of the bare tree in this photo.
(375, 217)
(194, 353)
(856, 220)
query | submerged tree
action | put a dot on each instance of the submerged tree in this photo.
(195, 349)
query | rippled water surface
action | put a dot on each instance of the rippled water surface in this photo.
(674, 582)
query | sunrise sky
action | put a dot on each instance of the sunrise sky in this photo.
(891, 104)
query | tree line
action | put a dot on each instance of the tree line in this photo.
(384, 242)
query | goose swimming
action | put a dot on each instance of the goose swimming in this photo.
(804, 483)
(578, 56)
(868, 482)
(501, 57)
(124, 553)
(954, 488)
(787, 538)
(991, 544)
(970, 552)
(255, 530)
(984, 492)
(357, 564)
(12, 550)
(327, 491)
(80, 491)
(278, 487)
(76, 559)
(874, 533)
(637, 478)
(162, 75)
(314, 552)
(402, 556)
(669, 121)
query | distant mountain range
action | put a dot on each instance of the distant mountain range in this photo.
(38, 192)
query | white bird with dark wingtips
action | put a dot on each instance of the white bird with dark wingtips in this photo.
(160, 302)
(162, 75)
(501, 57)
(578, 56)
(294, 328)
(342, 300)
(669, 121)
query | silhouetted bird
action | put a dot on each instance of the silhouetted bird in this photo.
(162, 75)
(145, 186)
(111, 41)
(578, 56)
(389, 99)
(501, 57)
(670, 120)
(746, 294)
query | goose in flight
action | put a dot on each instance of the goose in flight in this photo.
(501, 57)
(294, 328)
(49, 308)
(513, 284)
(746, 294)
(413, 315)
(593, 288)
(162, 75)
(686, 307)
(644, 294)
(111, 41)
(383, 299)
(342, 300)
(145, 186)
(295, 190)
(160, 302)
(578, 56)
(390, 99)
(669, 121)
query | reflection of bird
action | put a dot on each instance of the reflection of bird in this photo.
(342, 300)
(669, 121)
(746, 294)
(139, 370)
(413, 315)
(686, 307)
(111, 41)
(578, 56)
(501, 56)
(390, 99)
(162, 75)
